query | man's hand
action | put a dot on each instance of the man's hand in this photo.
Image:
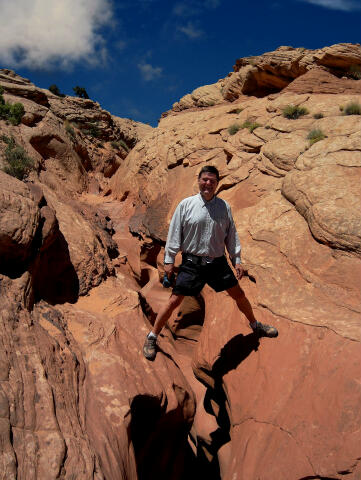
(168, 268)
(239, 271)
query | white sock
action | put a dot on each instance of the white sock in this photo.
(152, 335)
(253, 325)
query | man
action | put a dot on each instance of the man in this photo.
(201, 227)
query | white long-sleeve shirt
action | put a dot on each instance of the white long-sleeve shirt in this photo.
(202, 228)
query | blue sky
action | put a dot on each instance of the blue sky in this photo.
(136, 58)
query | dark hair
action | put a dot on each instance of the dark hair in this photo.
(209, 169)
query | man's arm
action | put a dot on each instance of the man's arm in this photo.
(233, 246)
(174, 240)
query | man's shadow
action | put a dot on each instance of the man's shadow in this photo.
(235, 351)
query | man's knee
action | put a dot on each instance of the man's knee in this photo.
(175, 301)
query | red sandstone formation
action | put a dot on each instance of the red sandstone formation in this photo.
(81, 245)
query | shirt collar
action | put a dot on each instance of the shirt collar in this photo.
(205, 202)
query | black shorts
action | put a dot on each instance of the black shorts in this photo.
(192, 276)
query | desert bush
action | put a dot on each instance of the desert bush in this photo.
(250, 125)
(80, 92)
(16, 113)
(55, 90)
(92, 130)
(293, 112)
(69, 129)
(232, 129)
(355, 72)
(315, 136)
(119, 143)
(352, 108)
(341, 108)
(318, 115)
(19, 164)
(11, 112)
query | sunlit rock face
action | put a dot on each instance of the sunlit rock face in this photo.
(81, 251)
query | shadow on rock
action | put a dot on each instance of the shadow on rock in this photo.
(233, 353)
(55, 279)
(159, 439)
(215, 402)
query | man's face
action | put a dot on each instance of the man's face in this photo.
(207, 185)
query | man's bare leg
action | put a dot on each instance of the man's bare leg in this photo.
(245, 307)
(150, 345)
(165, 312)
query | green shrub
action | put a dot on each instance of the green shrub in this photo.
(55, 90)
(119, 143)
(341, 107)
(353, 108)
(250, 125)
(19, 164)
(11, 112)
(16, 113)
(318, 115)
(80, 92)
(92, 130)
(315, 136)
(69, 129)
(293, 112)
(7, 140)
(232, 129)
(355, 72)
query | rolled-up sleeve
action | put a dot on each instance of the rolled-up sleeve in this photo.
(174, 239)
(232, 242)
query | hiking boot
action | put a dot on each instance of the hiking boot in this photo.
(263, 330)
(150, 348)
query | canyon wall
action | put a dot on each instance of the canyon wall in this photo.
(81, 249)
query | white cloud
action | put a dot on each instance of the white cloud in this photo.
(191, 31)
(344, 5)
(149, 72)
(52, 33)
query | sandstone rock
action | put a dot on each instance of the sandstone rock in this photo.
(205, 96)
(274, 71)
(284, 151)
(273, 408)
(85, 250)
(20, 87)
(320, 81)
(329, 197)
(19, 221)
(41, 383)
(68, 357)
(146, 406)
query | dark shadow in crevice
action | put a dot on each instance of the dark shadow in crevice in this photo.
(316, 477)
(54, 277)
(160, 440)
(232, 354)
